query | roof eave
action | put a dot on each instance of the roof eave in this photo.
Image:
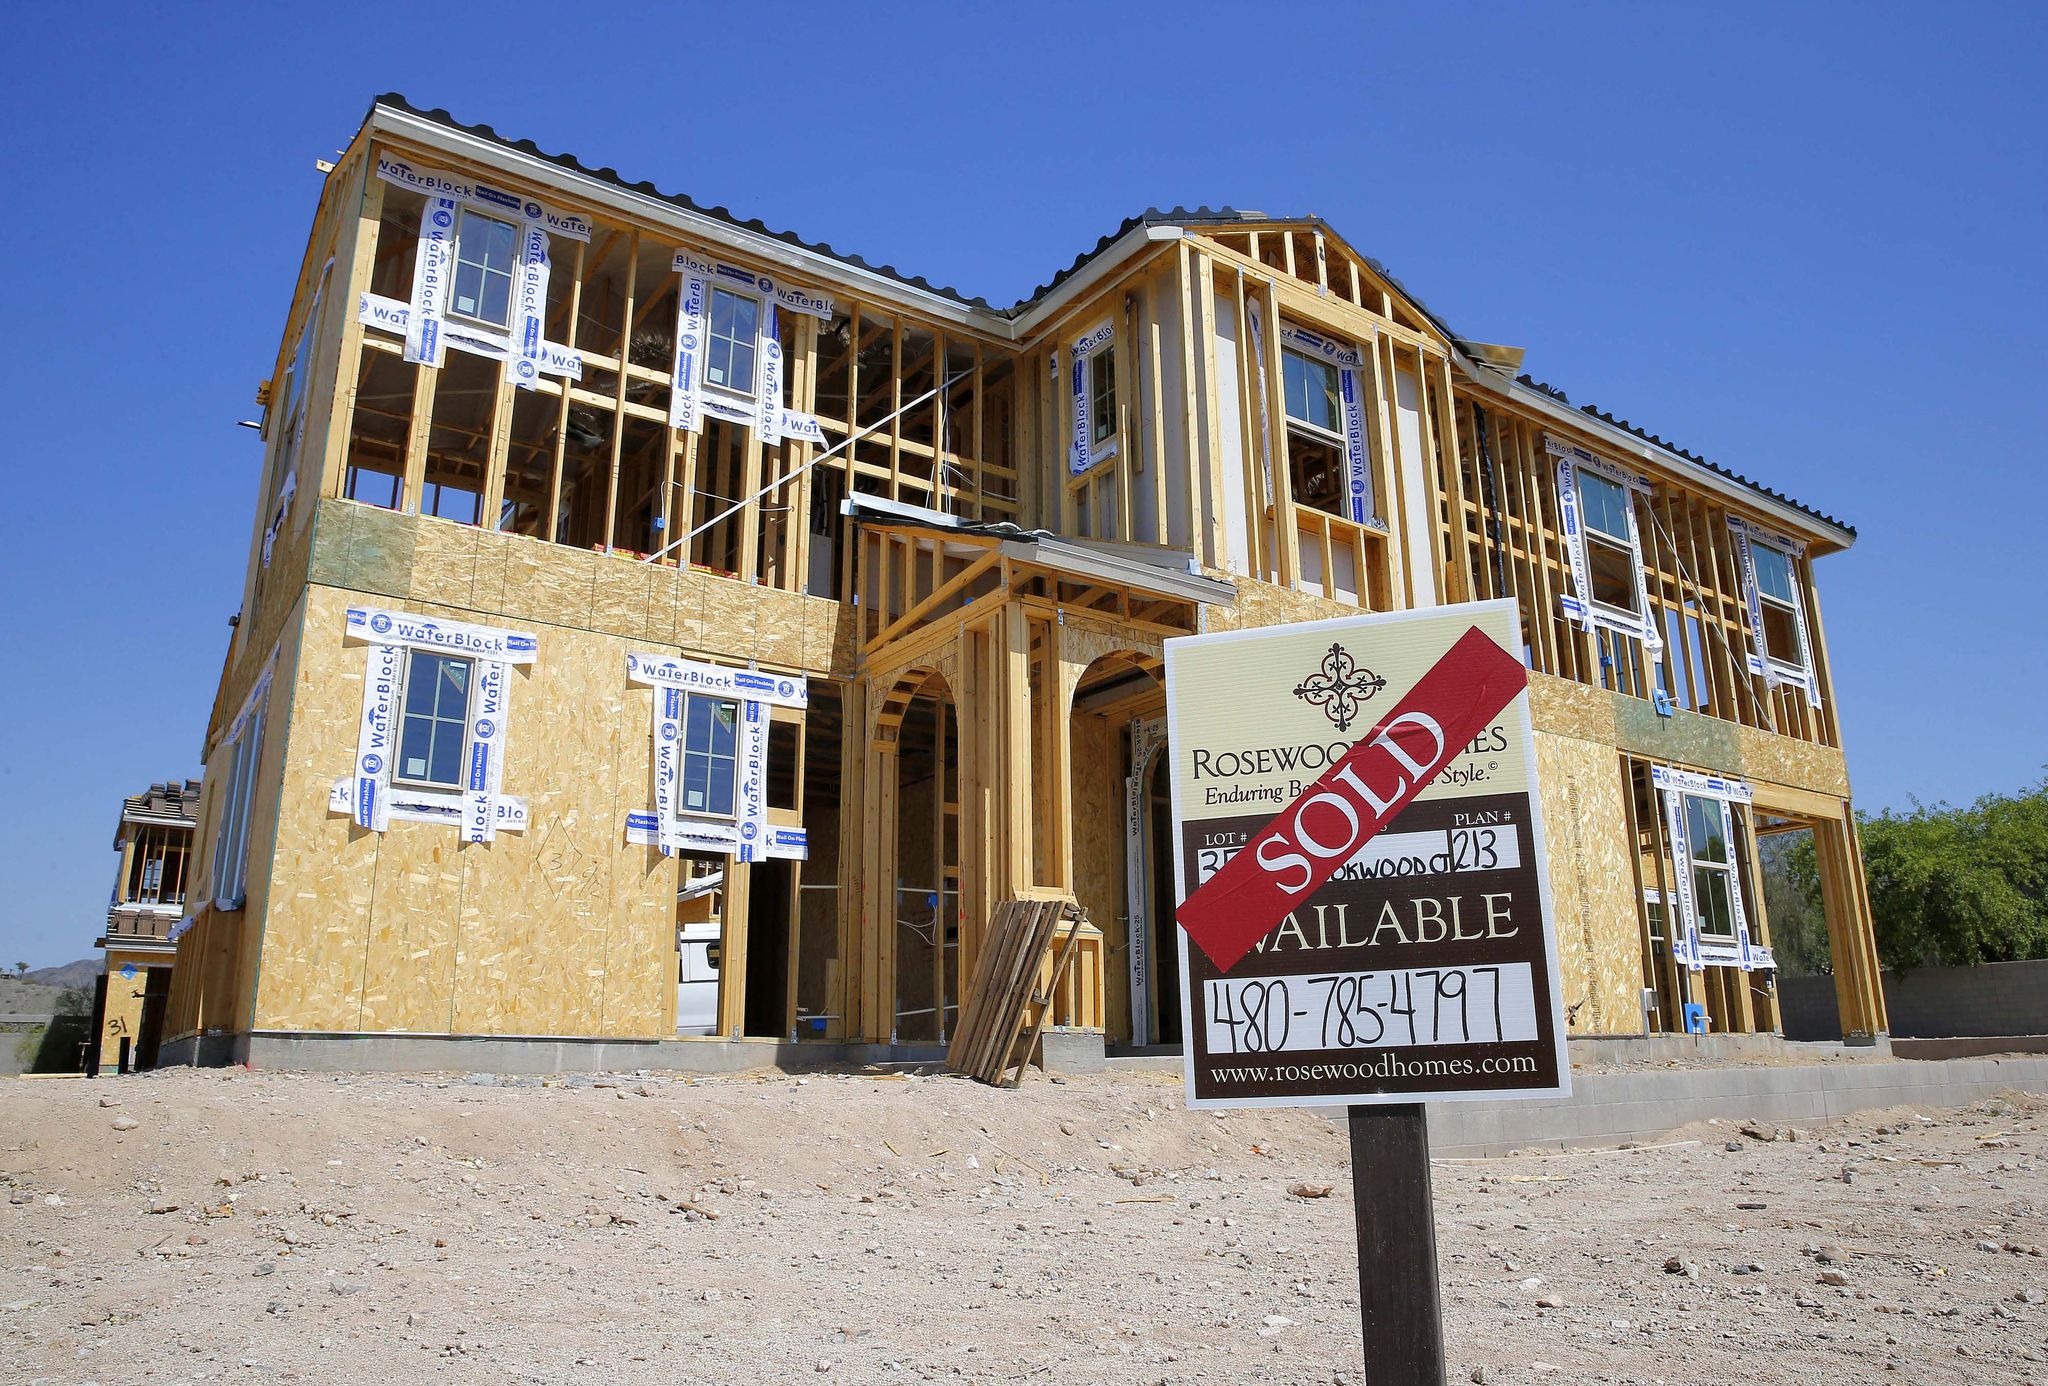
(589, 190)
(1101, 267)
(1625, 444)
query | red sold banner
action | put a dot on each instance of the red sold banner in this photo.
(1327, 825)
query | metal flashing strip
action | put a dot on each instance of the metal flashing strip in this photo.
(1105, 562)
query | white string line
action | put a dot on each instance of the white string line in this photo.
(847, 441)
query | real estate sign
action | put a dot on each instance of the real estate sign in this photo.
(1360, 865)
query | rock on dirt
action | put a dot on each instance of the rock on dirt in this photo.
(868, 1228)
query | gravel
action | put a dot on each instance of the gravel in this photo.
(890, 1228)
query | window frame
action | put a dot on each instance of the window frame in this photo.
(1794, 609)
(1631, 545)
(1334, 436)
(684, 755)
(230, 868)
(1102, 401)
(712, 339)
(413, 654)
(462, 218)
(1697, 863)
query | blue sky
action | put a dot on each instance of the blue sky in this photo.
(1803, 240)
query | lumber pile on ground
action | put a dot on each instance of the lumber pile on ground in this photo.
(1003, 1015)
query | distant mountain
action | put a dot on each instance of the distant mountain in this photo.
(73, 974)
(21, 1000)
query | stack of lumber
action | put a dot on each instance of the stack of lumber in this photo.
(1005, 1012)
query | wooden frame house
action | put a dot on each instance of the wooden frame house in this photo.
(155, 839)
(657, 625)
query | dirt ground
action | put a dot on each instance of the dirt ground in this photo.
(255, 1227)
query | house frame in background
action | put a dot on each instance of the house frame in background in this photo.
(770, 684)
(155, 839)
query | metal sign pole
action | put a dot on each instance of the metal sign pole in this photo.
(1400, 1308)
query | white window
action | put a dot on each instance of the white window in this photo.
(1102, 395)
(1611, 558)
(1315, 432)
(433, 720)
(486, 250)
(1713, 870)
(711, 749)
(1777, 591)
(1313, 399)
(735, 326)
(231, 839)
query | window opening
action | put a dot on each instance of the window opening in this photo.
(1610, 543)
(434, 721)
(1102, 395)
(1779, 598)
(485, 252)
(735, 326)
(710, 755)
(1313, 398)
(1706, 840)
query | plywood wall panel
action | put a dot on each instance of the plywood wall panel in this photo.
(1264, 604)
(546, 583)
(1687, 739)
(380, 547)
(619, 598)
(638, 994)
(318, 908)
(408, 948)
(1592, 885)
(444, 563)
(562, 930)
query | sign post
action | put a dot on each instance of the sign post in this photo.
(1364, 905)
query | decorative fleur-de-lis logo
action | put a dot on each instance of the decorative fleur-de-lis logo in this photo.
(1339, 686)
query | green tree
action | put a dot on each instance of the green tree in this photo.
(1799, 927)
(1949, 886)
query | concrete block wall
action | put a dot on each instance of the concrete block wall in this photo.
(1610, 1108)
(1931, 1002)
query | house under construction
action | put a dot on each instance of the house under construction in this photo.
(659, 628)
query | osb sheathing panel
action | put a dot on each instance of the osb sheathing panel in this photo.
(1083, 641)
(1592, 885)
(123, 1018)
(231, 956)
(509, 579)
(1264, 604)
(561, 930)
(1099, 849)
(1688, 739)
(317, 920)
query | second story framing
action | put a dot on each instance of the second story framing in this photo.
(1244, 395)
